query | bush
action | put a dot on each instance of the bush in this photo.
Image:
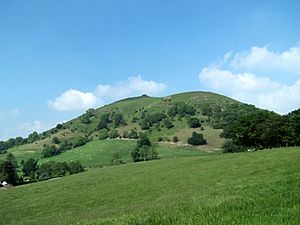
(144, 150)
(113, 134)
(175, 139)
(75, 167)
(65, 145)
(55, 140)
(125, 134)
(197, 139)
(230, 147)
(144, 141)
(79, 141)
(133, 134)
(50, 150)
(193, 122)
(59, 126)
(168, 124)
(103, 134)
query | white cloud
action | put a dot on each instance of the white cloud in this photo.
(264, 59)
(247, 87)
(226, 80)
(251, 87)
(133, 86)
(73, 100)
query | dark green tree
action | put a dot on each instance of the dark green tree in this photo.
(196, 139)
(194, 122)
(30, 167)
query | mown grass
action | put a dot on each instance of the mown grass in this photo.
(246, 188)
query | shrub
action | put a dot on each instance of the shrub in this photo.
(175, 139)
(230, 147)
(197, 139)
(55, 140)
(50, 150)
(75, 167)
(113, 134)
(125, 134)
(79, 141)
(133, 134)
(193, 122)
(168, 124)
(103, 134)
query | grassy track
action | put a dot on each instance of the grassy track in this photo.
(246, 188)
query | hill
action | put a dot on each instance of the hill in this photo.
(162, 119)
(259, 187)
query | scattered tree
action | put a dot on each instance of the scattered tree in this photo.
(197, 139)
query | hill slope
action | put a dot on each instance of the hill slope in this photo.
(161, 118)
(247, 188)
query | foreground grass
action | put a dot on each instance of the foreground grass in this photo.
(248, 188)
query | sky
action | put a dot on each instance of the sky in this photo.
(61, 57)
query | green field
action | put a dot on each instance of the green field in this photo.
(100, 153)
(260, 187)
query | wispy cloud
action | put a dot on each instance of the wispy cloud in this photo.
(234, 76)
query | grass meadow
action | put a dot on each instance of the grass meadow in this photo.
(261, 187)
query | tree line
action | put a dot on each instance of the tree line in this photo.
(30, 170)
(262, 129)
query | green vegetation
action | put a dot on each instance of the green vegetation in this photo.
(197, 139)
(259, 187)
(263, 129)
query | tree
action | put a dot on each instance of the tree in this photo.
(167, 123)
(50, 150)
(103, 134)
(85, 118)
(144, 141)
(104, 121)
(118, 120)
(133, 134)
(113, 134)
(230, 147)
(30, 166)
(8, 170)
(32, 137)
(55, 140)
(175, 139)
(194, 122)
(79, 141)
(144, 150)
(197, 139)
(144, 124)
(75, 167)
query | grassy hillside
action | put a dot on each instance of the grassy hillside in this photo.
(247, 188)
(209, 109)
(100, 153)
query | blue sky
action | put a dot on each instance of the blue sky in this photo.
(59, 57)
